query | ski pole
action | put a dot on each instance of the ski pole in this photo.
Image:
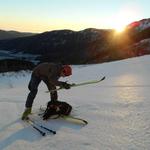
(40, 131)
(52, 131)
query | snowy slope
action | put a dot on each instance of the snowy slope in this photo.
(117, 110)
(140, 25)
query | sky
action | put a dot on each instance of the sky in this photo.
(47, 15)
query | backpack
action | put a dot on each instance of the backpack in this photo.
(56, 108)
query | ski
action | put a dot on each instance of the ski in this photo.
(67, 118)
(74, 119)
(38, 126)
(88, 82)
(80, 84)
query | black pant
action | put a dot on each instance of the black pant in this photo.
(33, 87)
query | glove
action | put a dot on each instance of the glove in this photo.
(26, 113)
(65, 85)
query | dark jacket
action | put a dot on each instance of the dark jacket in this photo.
(48, 71)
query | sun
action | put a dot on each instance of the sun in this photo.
(121, 23)
(122, 19)
(120, 28)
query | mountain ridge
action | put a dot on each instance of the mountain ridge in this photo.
(80, 47)
(13, 34)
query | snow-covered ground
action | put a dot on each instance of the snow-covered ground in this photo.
(18, 55)
(117, 109)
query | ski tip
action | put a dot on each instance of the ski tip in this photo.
(103, 78)
(85, 122)
(54, 132)
(43, 134)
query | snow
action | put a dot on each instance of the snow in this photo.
(117, 109)
(18, 55)
(144, 24)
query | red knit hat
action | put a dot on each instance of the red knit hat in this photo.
(67, 70)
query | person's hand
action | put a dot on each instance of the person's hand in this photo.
(26, 113)
(65, 85)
